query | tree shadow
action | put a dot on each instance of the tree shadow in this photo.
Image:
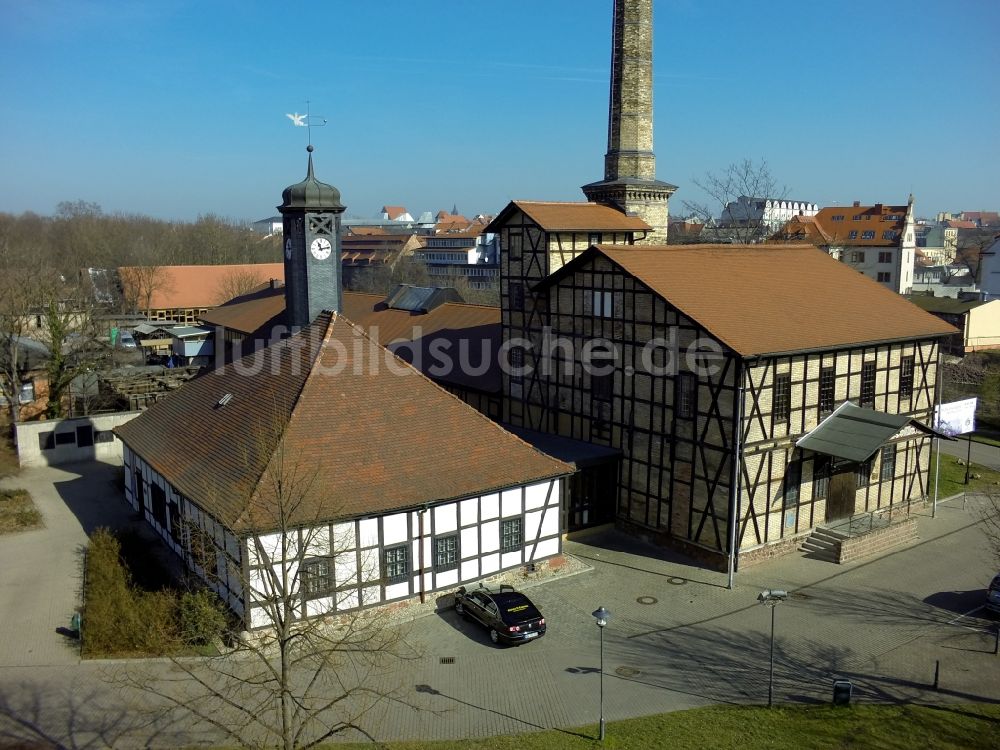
(428, 690)
(66, 716)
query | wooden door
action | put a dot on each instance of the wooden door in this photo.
(843, 490)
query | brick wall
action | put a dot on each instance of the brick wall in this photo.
(878, 541)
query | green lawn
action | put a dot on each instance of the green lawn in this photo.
(953, 477)
(962, 726)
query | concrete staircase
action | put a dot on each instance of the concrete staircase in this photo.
(823, 544)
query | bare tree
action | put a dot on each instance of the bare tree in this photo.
(489, 296)
(236, 283)
(734, 195)
(140, 283)
(316, 662)
(971, 245)
(66, 319)
(17, 307)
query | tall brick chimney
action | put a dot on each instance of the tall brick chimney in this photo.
(630, 181)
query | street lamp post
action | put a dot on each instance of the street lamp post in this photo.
(602, 616)
(770, 598)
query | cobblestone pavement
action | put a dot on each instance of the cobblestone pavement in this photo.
(677, 638)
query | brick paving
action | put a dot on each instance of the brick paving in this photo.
(678, 638)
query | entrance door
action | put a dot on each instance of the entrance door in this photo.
(593, 495)
(843, 489)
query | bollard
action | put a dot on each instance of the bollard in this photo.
(937, 672)
(996, 646)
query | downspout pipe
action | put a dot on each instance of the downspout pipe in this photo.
(734, 492)
(420, 533)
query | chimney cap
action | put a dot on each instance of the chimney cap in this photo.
(857, 204)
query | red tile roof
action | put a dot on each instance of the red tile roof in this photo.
(394, 212)
(834, 225)
(769, 299)
(181, 287)
(354, 429)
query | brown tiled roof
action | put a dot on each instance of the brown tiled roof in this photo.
(961, 224)
(452, 324)
(836, 223)
(326, 413)
(471, 326)
(443, 217)
(768, 299)
(180, 287)
(986, 217)
(249, 313)
(803, 229)
(574, 217)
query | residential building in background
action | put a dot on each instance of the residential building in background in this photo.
(977, 321)
(877, 240)
(768, 214)
(989, 271)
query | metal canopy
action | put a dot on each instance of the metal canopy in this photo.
(576, 453)
(854, 434)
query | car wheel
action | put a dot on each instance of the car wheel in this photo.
(460, 609)
(494, 635)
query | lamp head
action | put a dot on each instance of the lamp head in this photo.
(772, 595)
(602, 616)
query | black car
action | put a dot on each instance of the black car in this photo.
(509, 614)
(993, 595)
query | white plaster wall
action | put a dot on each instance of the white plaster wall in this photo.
(30, 452)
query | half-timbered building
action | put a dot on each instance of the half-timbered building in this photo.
(328, 448)
(707, 367)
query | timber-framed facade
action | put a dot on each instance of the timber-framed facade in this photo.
(705, 403)
(344, 467)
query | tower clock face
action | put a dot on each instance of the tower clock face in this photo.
(321, 248)
(288, 248)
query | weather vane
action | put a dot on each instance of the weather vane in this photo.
(307, 121)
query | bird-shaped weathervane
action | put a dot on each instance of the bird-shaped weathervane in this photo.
(307, 121)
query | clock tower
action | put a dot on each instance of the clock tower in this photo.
(311, 213)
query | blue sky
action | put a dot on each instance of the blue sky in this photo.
(175, 108)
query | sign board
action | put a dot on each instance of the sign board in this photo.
(956, 418)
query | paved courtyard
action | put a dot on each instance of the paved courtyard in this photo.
(677, 638)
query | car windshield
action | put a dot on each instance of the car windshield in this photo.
(515, 607)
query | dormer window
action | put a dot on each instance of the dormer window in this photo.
(869, 235)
